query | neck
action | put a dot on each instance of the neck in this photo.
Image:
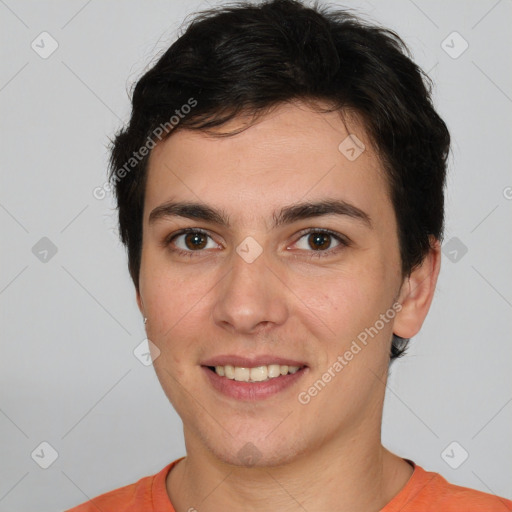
(356, 476)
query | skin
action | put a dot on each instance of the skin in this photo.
(327, 454)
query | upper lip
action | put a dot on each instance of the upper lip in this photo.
(251, 362)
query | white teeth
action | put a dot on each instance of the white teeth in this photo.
(274, 370)
(257, 374)
(229, 371)
(242, 374)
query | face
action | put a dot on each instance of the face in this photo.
(265, 251)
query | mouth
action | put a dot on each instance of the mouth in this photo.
(252, 379)
(255, 374)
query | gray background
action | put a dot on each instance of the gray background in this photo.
(68, 375)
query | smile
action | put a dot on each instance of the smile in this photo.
(256, 374)
(250, 382)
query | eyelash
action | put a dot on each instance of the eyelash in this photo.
(343, 241)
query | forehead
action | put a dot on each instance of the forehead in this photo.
(293, 153)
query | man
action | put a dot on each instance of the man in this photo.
(280, 193)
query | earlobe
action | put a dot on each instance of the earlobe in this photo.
(140, 303)
(417, 292)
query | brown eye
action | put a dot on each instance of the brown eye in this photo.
(319, 241)
(190, 240)
(195, 241)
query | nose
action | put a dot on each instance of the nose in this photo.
(251, 298)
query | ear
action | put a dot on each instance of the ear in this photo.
(139, 301)
(417, 292)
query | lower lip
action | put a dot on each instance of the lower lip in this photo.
(252, 390)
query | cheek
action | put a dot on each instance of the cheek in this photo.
(169, 290)
(343, 302)
(350, 305)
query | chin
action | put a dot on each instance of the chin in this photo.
(256, 453)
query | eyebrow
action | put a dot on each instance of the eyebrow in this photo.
(287, 215)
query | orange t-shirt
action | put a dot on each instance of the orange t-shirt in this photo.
(424, 492)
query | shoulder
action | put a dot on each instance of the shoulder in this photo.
(456, 498)
(427, 491)
(139, 496)
(121, 499)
